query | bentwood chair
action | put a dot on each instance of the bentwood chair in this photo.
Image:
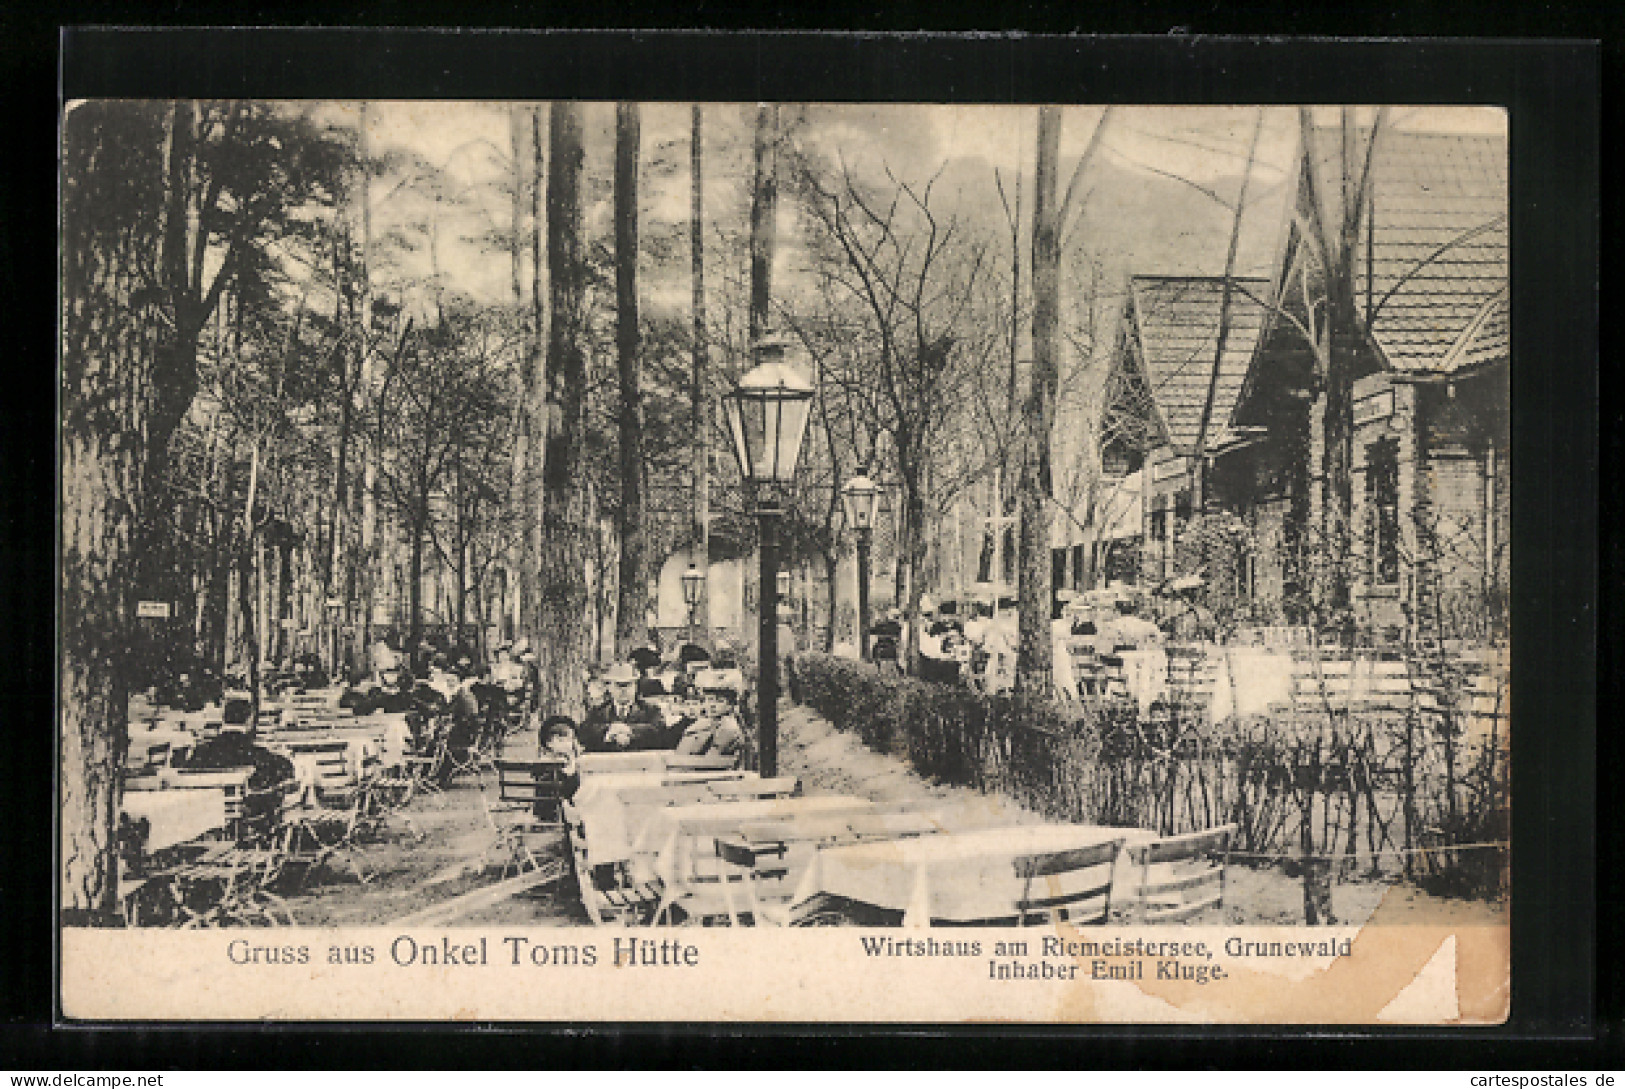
(1178, 877)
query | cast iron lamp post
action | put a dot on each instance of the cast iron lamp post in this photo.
(693, 587)
(861, 495)
(767, 416)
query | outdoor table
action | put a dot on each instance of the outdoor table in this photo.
(305, 752)
(176, 816)
(603, 763)
(793, 843)
(960, 877)
(193, 723)
(609, 825)
(180, 742)
(1251, 681)
(387, 737)
(677, 839)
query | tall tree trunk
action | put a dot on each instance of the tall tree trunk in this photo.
(414, 590)
(173, 369)
(369, 559)
(913, 550)
(1034, 655)
(108, 355)
(631, 605)
(535, 380)
(527, 359)
(563, 640)
(460, 560)
(763, 219)
(831, 573)
(700, 403)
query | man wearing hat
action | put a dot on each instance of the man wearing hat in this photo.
(623, 723)
(714, 730)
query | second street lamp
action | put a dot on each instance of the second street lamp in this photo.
(693, 588)
(767, 416)
(860, 495)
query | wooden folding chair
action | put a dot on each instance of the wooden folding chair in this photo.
(157, 757)
(1179, 876)
(423, 769)
(1074, 886)
(529, 801)
(745, 864)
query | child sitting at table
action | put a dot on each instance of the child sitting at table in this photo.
(558, 741)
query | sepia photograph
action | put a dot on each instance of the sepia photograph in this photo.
(1064, 546)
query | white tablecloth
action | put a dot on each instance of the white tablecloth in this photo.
(676, 837)
(176, 816)
(963, 876)
(609, 824)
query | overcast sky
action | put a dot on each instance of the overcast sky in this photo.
(1137, 218)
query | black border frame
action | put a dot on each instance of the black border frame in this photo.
(1551, 89)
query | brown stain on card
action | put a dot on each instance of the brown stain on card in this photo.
(1386, 957)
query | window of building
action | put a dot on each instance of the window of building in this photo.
(1382, 501)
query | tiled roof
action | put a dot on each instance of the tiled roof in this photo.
(1439, 243)
(1177, 320)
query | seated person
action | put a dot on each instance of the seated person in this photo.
(624, 723)
(558, 741)
(691, 656)
(235, 747)
(394, 693)
(646, 659)
(597, 690)
(714, 730)
(682, 685)
(184, 695)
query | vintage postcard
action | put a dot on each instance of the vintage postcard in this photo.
(578, 561)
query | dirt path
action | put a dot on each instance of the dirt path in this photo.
(407, 875)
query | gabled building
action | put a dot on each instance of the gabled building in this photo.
(1430, 345)
(1170, 392)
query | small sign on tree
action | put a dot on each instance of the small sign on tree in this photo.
(152, 610)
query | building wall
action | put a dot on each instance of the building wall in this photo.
(1169, 506)
(1453, 497)
(1382, 586)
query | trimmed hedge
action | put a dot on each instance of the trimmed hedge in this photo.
(1037, 752)
(1366, 788)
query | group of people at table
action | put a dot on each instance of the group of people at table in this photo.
(976, 643)
(688, 707)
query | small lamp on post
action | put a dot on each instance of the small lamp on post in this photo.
(767, 416)
(693, 588)
(861, 496)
